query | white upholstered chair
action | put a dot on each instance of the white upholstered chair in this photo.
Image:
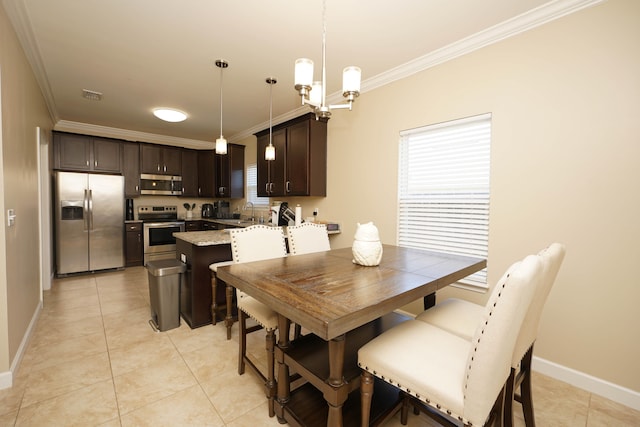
(460, 381)
(308, 237)
(256, 243)
(460, 317)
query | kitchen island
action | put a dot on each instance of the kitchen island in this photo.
(199, 249)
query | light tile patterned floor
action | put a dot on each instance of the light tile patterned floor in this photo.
(94, 361)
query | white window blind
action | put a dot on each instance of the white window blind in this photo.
(444, 189)
(252, 187)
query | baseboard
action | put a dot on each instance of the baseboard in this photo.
(587, 382)
(6, 378)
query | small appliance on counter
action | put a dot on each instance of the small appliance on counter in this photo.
(207, 210)
(221, 209)
(129, 210)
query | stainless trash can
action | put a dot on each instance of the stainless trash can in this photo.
(164, 293)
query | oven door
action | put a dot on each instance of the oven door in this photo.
(158, 236)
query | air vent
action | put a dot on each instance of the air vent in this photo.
(92, 95)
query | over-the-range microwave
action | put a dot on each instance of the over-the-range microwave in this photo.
(161, 185)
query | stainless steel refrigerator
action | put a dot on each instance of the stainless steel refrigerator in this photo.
(89, 211)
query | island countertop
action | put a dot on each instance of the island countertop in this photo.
(204, 238)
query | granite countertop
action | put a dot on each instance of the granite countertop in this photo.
(204, 238)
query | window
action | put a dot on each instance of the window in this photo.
(252, 187)
(444, 189)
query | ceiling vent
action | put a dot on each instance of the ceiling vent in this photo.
(92, 95)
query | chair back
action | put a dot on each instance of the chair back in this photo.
(552, 258)
(489, 360)
(256, 243)
(307, 238)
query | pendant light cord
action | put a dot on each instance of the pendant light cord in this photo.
(221, 102)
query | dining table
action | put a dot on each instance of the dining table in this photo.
(340, 305)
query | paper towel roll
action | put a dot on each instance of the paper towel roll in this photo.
(298, 215)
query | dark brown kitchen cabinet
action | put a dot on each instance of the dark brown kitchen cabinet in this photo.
(134, 245)
(189, 173)
(221, 175)
(300, 167)
(194, 225)
(131, 169)
(75, 152)
(229, 172)
(160, 160)
(206, 173)
(195, 289)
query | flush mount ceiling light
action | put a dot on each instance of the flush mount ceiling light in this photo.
(315, 93)
(221, 143)
(169, 115)
(270, 150)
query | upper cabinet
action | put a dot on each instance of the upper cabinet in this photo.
(131, 169)
(229, 172)
(160, 159)
(87, 153)
(221, 175)
(300, 167)
(189, 173)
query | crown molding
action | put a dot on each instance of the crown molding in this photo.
(131, 135)
(541, 15)
(519, 24)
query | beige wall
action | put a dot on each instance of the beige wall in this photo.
(23, 110)
(565, 165)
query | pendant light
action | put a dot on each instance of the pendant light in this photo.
(314, 93)
(270, 150)
(221, 143)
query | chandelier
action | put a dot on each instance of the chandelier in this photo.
(221, 143)
(314, 93)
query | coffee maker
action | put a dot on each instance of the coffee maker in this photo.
(207, 210)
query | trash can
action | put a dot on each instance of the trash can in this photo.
(164, 293)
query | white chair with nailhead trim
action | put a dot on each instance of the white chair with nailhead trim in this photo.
(460, 317)
(308, 237)
(458, 381)
(256, 243)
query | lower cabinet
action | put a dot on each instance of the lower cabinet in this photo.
(134, 244)
(195, 292)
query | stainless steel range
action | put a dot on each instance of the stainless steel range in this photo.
(159, 224)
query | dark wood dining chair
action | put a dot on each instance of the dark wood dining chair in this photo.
(460, 317)
(456, 381)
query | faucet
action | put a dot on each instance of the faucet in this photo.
(253, 217)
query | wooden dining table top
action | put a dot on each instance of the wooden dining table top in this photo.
(326, 293)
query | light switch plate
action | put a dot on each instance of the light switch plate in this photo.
(11, 217)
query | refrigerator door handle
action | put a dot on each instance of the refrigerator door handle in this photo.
(90, 210)
(85, 207)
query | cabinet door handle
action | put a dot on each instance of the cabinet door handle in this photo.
(288, 189)
(137, 188)
(87, 163)
(95, 164)
(158, 167)
(164, 168)
(266, 187)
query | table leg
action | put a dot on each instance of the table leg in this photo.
(228, 321)
(283, 382)
(336, 380)
(429, 300)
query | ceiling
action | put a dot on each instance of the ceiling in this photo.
(144, 54)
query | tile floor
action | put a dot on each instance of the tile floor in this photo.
(93, 360)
